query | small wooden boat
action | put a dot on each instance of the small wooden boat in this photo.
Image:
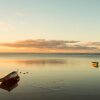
(12, 77)
(10, 81)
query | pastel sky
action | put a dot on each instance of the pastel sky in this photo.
(49, 25)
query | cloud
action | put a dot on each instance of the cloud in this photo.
(81, 47)
(52, 45)
(5, 27)
(94, 43)
(40, 43)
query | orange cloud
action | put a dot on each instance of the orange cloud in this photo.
(48, 46)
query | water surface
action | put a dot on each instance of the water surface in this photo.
(52, 76)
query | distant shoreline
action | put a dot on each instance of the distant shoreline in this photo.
(47, 53)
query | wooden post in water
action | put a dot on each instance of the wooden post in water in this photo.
(95, 64)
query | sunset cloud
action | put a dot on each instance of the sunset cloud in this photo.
(94, 43)
(40, 43)
(52, 46)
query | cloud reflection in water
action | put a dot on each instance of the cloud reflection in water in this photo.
(37, 61)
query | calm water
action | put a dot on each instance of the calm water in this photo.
(52, 76)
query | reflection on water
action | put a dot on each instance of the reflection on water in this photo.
(42, 61)
(73, 77)
(37, 61)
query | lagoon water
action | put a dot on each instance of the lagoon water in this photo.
(51, 76)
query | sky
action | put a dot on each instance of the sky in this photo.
(49, 25)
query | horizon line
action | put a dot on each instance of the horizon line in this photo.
(51, 52)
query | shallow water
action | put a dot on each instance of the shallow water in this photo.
(52, 76)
